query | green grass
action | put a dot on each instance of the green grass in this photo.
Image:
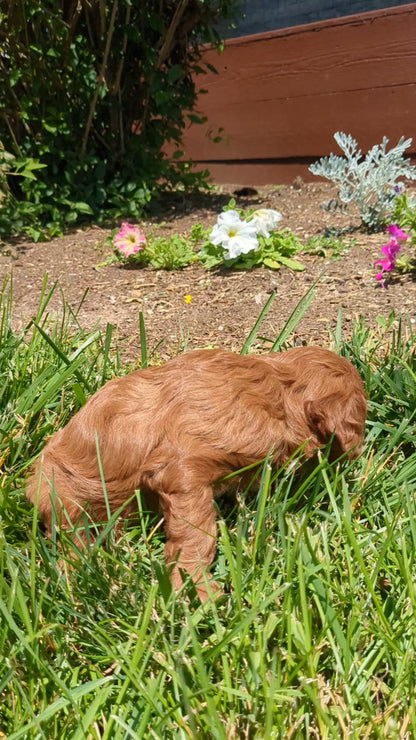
(315, 636)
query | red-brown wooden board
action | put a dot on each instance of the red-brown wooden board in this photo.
(279, 97)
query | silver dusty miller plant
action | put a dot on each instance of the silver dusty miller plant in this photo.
(370, 181)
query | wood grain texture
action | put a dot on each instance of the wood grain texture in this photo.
(282, 95)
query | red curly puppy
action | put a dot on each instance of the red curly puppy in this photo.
(175, 430)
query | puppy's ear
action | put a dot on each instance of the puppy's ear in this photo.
(340, 417)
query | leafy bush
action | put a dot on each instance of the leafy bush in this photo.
(370, 181)
(91, 92)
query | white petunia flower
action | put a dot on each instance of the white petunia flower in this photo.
(265, 220)
(235, 236)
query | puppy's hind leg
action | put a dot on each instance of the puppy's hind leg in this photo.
(191, 529)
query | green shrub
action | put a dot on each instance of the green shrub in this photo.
(92, 92)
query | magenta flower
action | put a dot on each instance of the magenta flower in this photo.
(396, 233)
(388, 262)
(129, 239)
(390, 251)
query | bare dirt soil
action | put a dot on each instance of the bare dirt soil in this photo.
(224, 304)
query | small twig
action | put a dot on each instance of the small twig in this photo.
(116, 84)
(117, 81)
(100, 79)
(164, 52)
(18, 149)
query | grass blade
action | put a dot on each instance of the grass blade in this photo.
(295, 317)
(250, 339)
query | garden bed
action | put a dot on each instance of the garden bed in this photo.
(224, 304)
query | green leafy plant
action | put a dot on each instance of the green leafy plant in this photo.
(131, 246)
(404, 214)
(242, 240)
(14, 216)
(327, 246)
(275, 252)
(371, 181)
(93, 92)
(170, 253)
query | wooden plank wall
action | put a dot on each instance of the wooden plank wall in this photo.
(279, 97)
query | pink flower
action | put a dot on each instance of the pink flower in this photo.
(129, 239)
(396, 233)
(387, 265)
(390, 251)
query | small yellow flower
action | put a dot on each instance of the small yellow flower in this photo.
(187, 298)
